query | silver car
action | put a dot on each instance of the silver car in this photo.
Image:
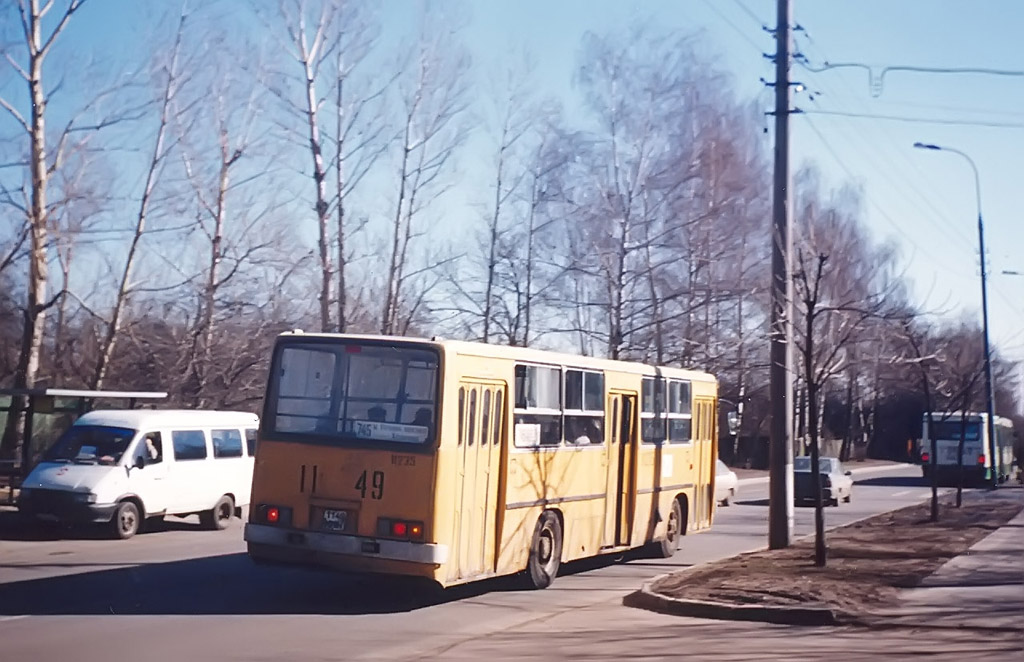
(726, 483)
(836, 483)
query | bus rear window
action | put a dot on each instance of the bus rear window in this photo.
(950, 429)
(360, 393)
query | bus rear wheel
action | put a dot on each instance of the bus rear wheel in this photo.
(545, 551)
(667, 546)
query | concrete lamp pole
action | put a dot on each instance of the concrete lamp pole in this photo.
(989, 401)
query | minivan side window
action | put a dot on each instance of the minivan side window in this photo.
(226, 443)
(250, 441)
(189, 444)
(151, 448)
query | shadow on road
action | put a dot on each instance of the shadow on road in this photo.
(14, 526)
(893, 481)
(233, 585)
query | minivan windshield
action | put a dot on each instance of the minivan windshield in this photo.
(91, 444)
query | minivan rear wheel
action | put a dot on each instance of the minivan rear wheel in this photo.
(219, 517)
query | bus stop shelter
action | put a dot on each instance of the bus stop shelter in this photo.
(49, 412)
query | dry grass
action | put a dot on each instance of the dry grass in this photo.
(868, 562)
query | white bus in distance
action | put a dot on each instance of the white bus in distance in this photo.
(122, 467)
(978, 464)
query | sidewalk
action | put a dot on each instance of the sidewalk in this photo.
(971, 608)
(982, 589)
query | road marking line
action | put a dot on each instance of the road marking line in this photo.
(12, 618)
(858, 470)
(903, 493)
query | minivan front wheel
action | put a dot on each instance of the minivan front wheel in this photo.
(125, 522)
(219, 517)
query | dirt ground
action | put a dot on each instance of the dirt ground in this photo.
(867, 563)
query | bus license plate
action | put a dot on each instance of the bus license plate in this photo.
(333, 520)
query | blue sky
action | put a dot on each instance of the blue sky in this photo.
(925, 201)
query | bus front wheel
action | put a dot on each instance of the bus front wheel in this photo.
(545, 551)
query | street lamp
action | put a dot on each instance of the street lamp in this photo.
(989, 402)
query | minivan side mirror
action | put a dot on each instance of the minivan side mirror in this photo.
(849, 473)
(140, 461)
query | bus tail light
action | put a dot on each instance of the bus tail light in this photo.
(270, 514)
(981, 460)
(403, 529)
(925, 457)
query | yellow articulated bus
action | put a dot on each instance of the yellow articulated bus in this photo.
(457, 461)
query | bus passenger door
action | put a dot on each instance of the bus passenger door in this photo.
(479, 461)
(621, 454)
(704, 426)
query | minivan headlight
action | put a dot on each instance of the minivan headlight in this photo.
(84, 497)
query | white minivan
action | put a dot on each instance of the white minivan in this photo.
(122, 467)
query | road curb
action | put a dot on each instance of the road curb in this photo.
(650, 600)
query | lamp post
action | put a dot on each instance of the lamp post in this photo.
(989, 402)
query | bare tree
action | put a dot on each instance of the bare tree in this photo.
(217, 138)
(37, 46)
(358, 133)
(920, 354)
(329, 41)
(170, 83)
(310, 47)
(433, 97)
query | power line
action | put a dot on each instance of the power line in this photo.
(1015, 307)
(736, 29)
(955, 109)
(957, 235)
(879, 208)
(746, 10)
(876, 83)
(914, 120)
(889, 145)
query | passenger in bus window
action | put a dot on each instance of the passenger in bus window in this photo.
(423, 415)
(377, 413)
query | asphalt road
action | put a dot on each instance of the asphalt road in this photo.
(184, 592)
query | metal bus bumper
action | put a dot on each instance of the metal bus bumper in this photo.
(274, 543)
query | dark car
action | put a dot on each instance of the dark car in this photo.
(836, 484)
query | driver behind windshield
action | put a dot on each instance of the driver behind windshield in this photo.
(91, 444)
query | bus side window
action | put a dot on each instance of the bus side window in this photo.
(485, 417)
(472, 417)
(462, 414)
(499, 416)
